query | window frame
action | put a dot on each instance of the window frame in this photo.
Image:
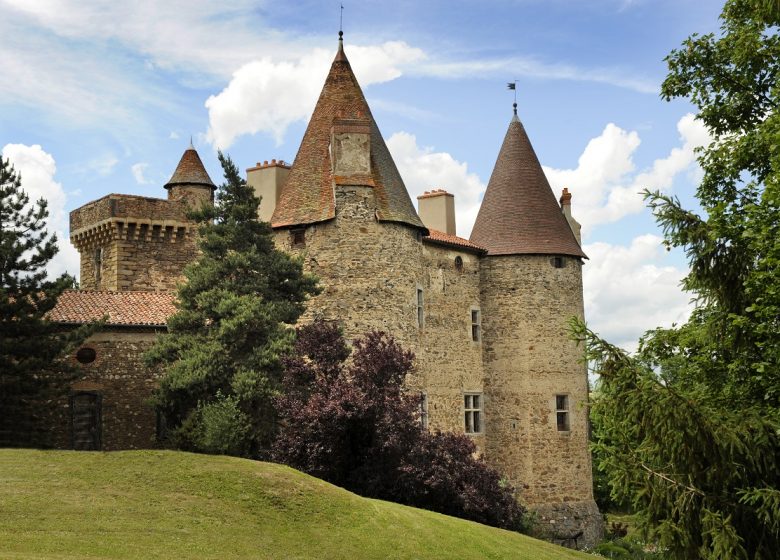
(562, 412)
(423, 410)
(476, 325)
(420, 305)
(473, 415)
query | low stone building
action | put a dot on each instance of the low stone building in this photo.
(486, 316)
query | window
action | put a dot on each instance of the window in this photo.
(420, 312)
(298, 237)
(562, 412)
(476, 335)
(473, 413)
(424, 411)
(86, 355)
(459, 264)
(558, 262)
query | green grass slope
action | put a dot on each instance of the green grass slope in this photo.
(162, 504)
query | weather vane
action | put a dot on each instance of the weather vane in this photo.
(513, 87)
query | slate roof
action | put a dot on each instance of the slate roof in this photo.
(308, 194)
(441, 238)
(519, 214)
(121, 308)
(190, 171)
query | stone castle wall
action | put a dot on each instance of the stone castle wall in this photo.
(124, 384)
(529, 359)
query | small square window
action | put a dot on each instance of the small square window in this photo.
(298, 237)
(562, 412)
(558, 262)
(472, 407)
(476, 325)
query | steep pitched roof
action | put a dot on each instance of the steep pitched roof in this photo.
(137, 309)
(308, 194)
(190, 171)
(519, 214)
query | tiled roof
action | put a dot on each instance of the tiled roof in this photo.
(441, 238)
(308, 194)
(120, 308)
(519, 213)
(190, 171)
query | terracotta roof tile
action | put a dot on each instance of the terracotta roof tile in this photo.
(308, 194)
(121, 308)
(441, 238)
(519, 213)
(190, 171)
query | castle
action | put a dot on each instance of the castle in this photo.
(486, 317)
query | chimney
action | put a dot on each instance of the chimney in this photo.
(437, 210)
(267, 179)
(566, 209)
(350, 145)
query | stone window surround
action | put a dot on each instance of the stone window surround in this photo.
(424, 410)
(420, 306)
(473, 414)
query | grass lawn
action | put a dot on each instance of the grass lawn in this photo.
(164, 504)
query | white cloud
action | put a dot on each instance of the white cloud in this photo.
(103, 165)
(173, 135)
(604, 185)
(632, 289)
(37, 169)
(423, 169)
(267, 95)
(138, 170)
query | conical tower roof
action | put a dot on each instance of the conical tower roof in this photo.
(519, 214)
(190, 171)
(308, 194)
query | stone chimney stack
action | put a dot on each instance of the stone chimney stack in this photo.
(350, 146)
(566, 209)
(267, 179)
(437, 210)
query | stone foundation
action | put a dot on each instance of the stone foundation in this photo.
(571, 524)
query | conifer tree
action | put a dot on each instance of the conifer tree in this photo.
(29, 345)
(221, 354)
(690, 425)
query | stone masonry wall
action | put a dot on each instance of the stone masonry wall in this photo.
(124, 384)
(529, 359)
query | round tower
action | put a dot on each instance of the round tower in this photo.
(535, 386)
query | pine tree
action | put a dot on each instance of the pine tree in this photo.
(221, 353)
(690, 425)
(29, 345)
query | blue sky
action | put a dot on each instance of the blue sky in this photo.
(101, 97)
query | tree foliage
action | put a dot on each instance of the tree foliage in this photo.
(691, 424)
(221, 353)
(29, 345)
(352, 423)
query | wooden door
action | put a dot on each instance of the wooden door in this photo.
(85, 415)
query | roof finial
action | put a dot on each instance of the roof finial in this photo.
(341, 23)
(513, 87)
(191, 146)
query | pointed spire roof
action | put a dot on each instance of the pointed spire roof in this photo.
(308, 194)
(190, 171)
(519, 214)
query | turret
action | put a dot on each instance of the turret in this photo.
(190, 181)
(536, 389)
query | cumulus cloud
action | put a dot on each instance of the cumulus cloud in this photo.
(605, 185)
(422, 169)
(268, 95)
(37, 169)
(630, 289)
(138, 170)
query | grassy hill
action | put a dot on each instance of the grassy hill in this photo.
(160, 504)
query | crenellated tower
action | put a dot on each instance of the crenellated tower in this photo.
(535, 384)
(137, 243)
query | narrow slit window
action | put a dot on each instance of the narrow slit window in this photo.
(476, 325)
(562, 412)
(473, 413)
(420, 309)
(424, 411)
